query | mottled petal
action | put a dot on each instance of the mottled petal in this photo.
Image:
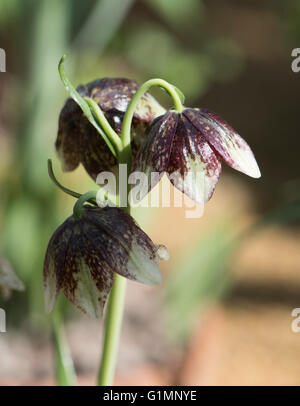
(54, 263)
(51, 289)
(96, 156)
(84, 253)
(225, 140)
(78, 141)
(148, 108)
(193, 168)
(116, 93)
(68, 143)
(124, 246)
(153, 157)
(88, 279)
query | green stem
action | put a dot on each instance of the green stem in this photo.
(82, 103)
(61, 187)
(65, 372)
(106, 127)
(126, 126)
(115, 310)
(116, 300)
(78, 207)
(113, 326)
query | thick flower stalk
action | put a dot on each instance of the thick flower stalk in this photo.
(87, 250)
(189, 146)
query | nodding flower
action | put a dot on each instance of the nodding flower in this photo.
(85, 252)
(79, 142)
(189, 148)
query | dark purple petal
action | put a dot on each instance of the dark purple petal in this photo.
(84, 253)
(96, 156)
(116, 93)
(124, 246)
(153, 157)
(225, 140)
(193, 168)
(54, 263)
(69, 143)
(88, 278)
(79, 142)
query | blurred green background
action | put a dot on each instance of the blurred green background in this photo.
(233, 57)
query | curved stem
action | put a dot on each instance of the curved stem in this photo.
(55, 181)
(126, 126)
(102, 120)
(78, 207)
(64, 189)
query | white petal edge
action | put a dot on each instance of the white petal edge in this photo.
(196, 183)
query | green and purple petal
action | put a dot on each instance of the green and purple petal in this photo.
(224, 140)
(88, 278)
(153, 157)
(79, 142)
(84, 253)
(126, 248)
(193, 167)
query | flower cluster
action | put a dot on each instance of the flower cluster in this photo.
(188, 144)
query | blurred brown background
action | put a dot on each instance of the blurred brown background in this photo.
(223, 314)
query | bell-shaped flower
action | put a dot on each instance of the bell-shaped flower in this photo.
(189, 148)
(85, 251)
(79, 142)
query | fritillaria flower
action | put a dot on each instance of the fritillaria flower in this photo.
(189, 148)
(85, 251)
(79, 142)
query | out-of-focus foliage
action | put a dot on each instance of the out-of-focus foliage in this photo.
(177, 12)
(292, 20)
(8, 279)
(8, 9)
(200, 276)
(158, 47)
